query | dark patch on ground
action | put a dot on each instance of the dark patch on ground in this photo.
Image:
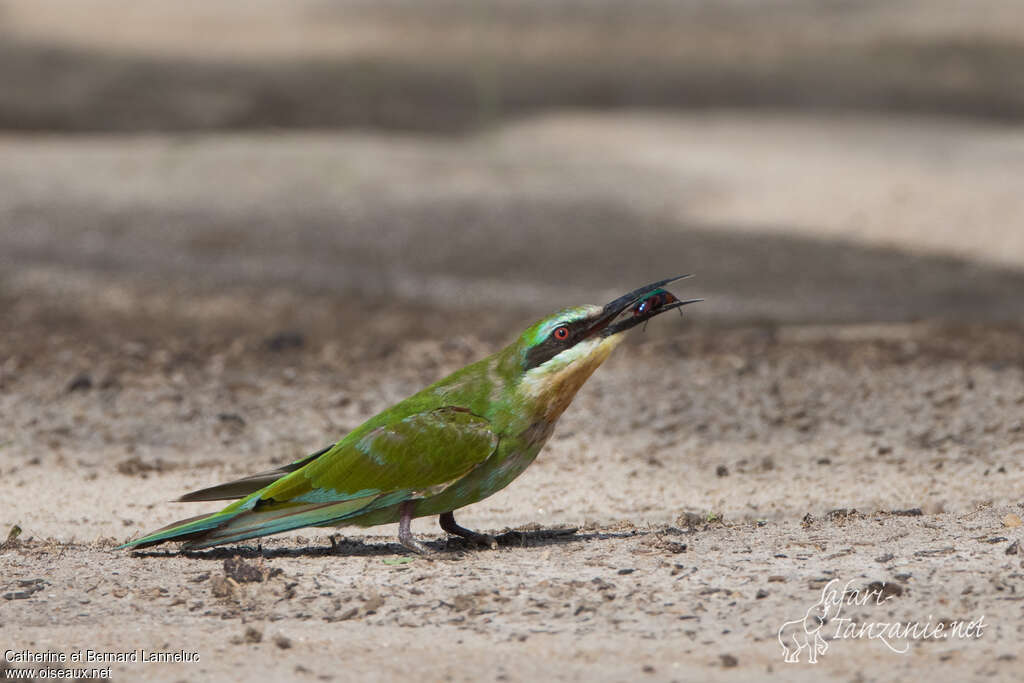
(53, 87)
(744, 277)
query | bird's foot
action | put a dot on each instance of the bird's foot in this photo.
(415, 545)
(405, 536)
(448, 523)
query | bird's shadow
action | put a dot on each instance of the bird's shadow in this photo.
(450, 548)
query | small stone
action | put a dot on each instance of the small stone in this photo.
(728, 661)
(374, 603)
(689, 519)
(285, 340)
(81, 382)
(232, 419)
(222, 587)
(841, 514)
(884, 590)
(137, 467)
(253, 635)
(282, 642)
(241, 571)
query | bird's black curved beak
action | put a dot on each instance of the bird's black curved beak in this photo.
(605, 324)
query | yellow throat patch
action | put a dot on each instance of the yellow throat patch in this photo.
(555, 383)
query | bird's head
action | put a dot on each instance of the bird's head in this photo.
(558, 354)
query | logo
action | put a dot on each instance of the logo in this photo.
(823, 623)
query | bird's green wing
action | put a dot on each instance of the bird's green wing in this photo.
(415, 456)
(240, 488)
(397, 460)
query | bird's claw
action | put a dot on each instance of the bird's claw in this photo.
(416, 546)
(485, 540)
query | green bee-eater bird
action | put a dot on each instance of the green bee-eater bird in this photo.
(454, 443)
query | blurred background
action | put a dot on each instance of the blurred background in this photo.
(810, 161)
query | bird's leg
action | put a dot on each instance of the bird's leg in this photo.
(447, 520)
(405, 536)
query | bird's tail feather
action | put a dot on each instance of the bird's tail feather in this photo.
(237, 523)
(181, 530)
(263, 522)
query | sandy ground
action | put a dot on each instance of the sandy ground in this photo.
(718, 482)
(846, 405)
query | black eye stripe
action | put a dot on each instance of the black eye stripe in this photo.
(552, 346)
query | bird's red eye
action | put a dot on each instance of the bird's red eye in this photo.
(561, 333)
